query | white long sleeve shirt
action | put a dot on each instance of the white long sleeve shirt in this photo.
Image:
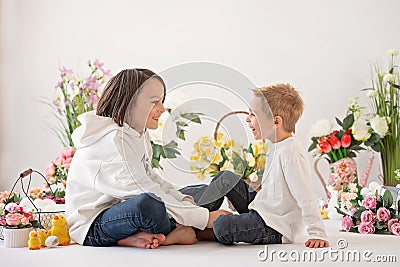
(287, 200)
(111, 164)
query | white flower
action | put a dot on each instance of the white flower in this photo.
(373, 186)
(360, 131)
(372, 93)
(365, 191)
(321, 128)
(379, 125)
(393, 52)
(250, 159)
(253, 177)
(228, 166)
(389, 77)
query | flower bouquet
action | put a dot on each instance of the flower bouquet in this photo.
(15, 217)
(358, 132)
(384, 104)
(372, 213)
(211, 156)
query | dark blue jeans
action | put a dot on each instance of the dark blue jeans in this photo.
(247, 226)
(145, 212)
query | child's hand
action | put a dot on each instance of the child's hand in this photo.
(189, 199)
(214, 215)
(316, 243)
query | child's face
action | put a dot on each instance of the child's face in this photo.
(148, 106)
(265, 129)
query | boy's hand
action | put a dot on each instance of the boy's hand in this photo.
(189, 199)
(316, 243)
(214, 215)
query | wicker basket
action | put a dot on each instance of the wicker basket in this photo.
(43, 217)
(255, 185)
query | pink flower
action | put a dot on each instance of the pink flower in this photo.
(334, 141)
(345, 140)
(365, 228)
(383, 214)
(367, 217)
(67, 163)
(59, 160)
(391, 222)
(347, 223)
(370, 202)
(324, 145)
(50, 170)
(68, 152)
(396, 229)
(13, 219)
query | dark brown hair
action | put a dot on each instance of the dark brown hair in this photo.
(120, 90)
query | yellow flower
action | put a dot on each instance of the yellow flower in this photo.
(230, 143)
(217, 157)
(218, 143)
(207, 152)
(194, 157)
(205, 139)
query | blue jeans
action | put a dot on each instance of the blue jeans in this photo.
(144, 212)
(247, 226)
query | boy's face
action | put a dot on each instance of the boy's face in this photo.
(260, 123)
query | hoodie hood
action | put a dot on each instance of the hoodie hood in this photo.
(94, 127)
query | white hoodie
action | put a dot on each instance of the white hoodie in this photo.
(111, 164)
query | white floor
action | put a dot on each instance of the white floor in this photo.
(212, 253)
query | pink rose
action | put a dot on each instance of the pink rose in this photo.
(391, 222)
(370, 202)
(59, 160)
(367, 217)
(50, 170)
(24, 220)
(13, 219)
(364, 228)
(383, 214)
(396, 229)
(67, 163)
(347, 223)
(68, 152)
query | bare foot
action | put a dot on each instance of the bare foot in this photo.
(183, 235)
(142, 240)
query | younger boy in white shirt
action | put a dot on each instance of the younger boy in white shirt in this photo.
(276, 213)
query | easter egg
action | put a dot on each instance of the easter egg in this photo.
(51, 242)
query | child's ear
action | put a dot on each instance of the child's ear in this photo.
(278, 121)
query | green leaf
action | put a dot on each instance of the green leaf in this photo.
(339, 122)
(155, 163)
(180, 133)
(387, 199)
(172, 144)
(194, 117)
(348, 121)
(312, 147)
(357, 214)
(357, 148)
(373, 139)
(181, 123)
(157, 150)
(376, 147)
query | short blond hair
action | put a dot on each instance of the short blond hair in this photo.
(284, 101)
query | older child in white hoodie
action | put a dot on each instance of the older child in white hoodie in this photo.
(113, 196)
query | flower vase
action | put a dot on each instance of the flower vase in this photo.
(16, 238)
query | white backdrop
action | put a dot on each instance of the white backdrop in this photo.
(324, 48)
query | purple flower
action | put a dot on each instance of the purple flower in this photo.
(98, 64)
(365, 228)
(370, 202)
(391, 222)
(396, 229)
(367, 217)
(383, 214)
(64, 71)
(347, 223)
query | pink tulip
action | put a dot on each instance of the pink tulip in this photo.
(364, 228)
(334, 141)
(367, 217)
(59, 160)
(347, 223)
(370, 202)
(383, 214)
(67, 163)
(346, 140)
(325, 146)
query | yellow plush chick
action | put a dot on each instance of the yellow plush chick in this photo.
(42, 233)
(60, 229)
(33, 242)
(324, 214)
